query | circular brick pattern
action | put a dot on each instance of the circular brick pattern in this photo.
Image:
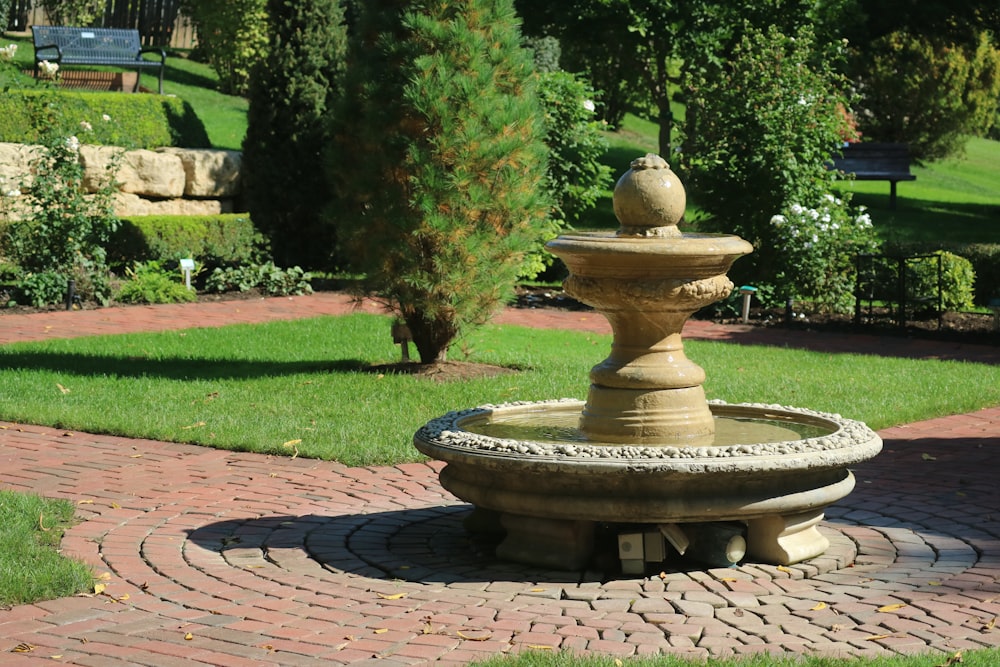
(220, 558)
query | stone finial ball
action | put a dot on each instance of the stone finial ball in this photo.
(649, 199)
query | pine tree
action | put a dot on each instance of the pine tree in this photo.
(292, 93)
(439, 146)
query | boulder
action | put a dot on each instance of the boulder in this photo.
(209, 173)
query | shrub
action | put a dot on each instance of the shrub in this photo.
(760, 129)
(130, 121)
(61, 234)
(291, 94)
(268, 278)
(957, 280)
(985, 259)
(213, 240)
(954, 96)
(80, 13)
(439, 146)
(576, 176)
(816, 250)
(150, 282)
(232, 34)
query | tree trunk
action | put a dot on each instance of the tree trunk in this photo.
(431, 337)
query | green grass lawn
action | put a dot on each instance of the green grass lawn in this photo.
(984, 658)
(258, 387)
(30, 567)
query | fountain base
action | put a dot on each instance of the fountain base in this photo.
(551, 494)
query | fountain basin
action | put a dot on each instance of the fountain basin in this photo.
(778, 488)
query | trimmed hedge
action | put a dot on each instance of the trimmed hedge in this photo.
(212, 240)
(985, 259)
(134, 121)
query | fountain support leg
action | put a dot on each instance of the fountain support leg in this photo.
(557, 543)
(785, 539)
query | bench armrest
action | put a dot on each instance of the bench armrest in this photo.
(56, 47)
(157, 51)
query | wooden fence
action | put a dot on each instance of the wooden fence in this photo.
(159, 22)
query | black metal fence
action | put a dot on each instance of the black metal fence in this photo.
(893, 287)
(159, 22)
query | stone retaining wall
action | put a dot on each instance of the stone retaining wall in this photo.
(165, 181)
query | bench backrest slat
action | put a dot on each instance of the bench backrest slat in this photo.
(89, 43)
(874, 158)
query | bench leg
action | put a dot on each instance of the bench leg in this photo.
(892, 195)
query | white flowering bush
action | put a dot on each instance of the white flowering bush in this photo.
(816, 249)
(48, 70)
(7, 53)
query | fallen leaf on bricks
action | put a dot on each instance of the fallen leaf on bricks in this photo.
(99, 588)
(892, 607)
(85, 502)
(23, 648)
(393, 596)
(474, 637)
(188, 637)
(872, 638)
(381, 631)
(991, 624)
(819, 605)
(540, 647)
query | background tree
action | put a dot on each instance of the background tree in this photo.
(761, 127)
(440, 160)
(954, 96)
(292, 94)
(232, 36)
(635, 52)
(927, 71)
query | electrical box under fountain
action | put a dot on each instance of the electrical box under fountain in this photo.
(647, 452)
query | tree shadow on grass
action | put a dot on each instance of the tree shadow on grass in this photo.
(170, 367)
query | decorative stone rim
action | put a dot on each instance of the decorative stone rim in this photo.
(851, 441)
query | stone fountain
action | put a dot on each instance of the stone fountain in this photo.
(647, 456)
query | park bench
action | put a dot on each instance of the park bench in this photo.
(112, 47)
(873, 161)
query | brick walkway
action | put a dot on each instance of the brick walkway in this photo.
(220, 558)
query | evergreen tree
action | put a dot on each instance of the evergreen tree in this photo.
(439, 146)
(292, 93)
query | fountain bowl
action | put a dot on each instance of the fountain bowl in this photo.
(550, 494)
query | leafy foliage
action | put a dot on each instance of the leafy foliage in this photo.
(268, 278)
(233, 36)
(80, 13)
(955, 93)
(291, 94)
(576, 176)
(760, 129)
(150, 282)
(60, 234)
(130, 121)
(440, 161)
(816, 249)
(957, 280)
